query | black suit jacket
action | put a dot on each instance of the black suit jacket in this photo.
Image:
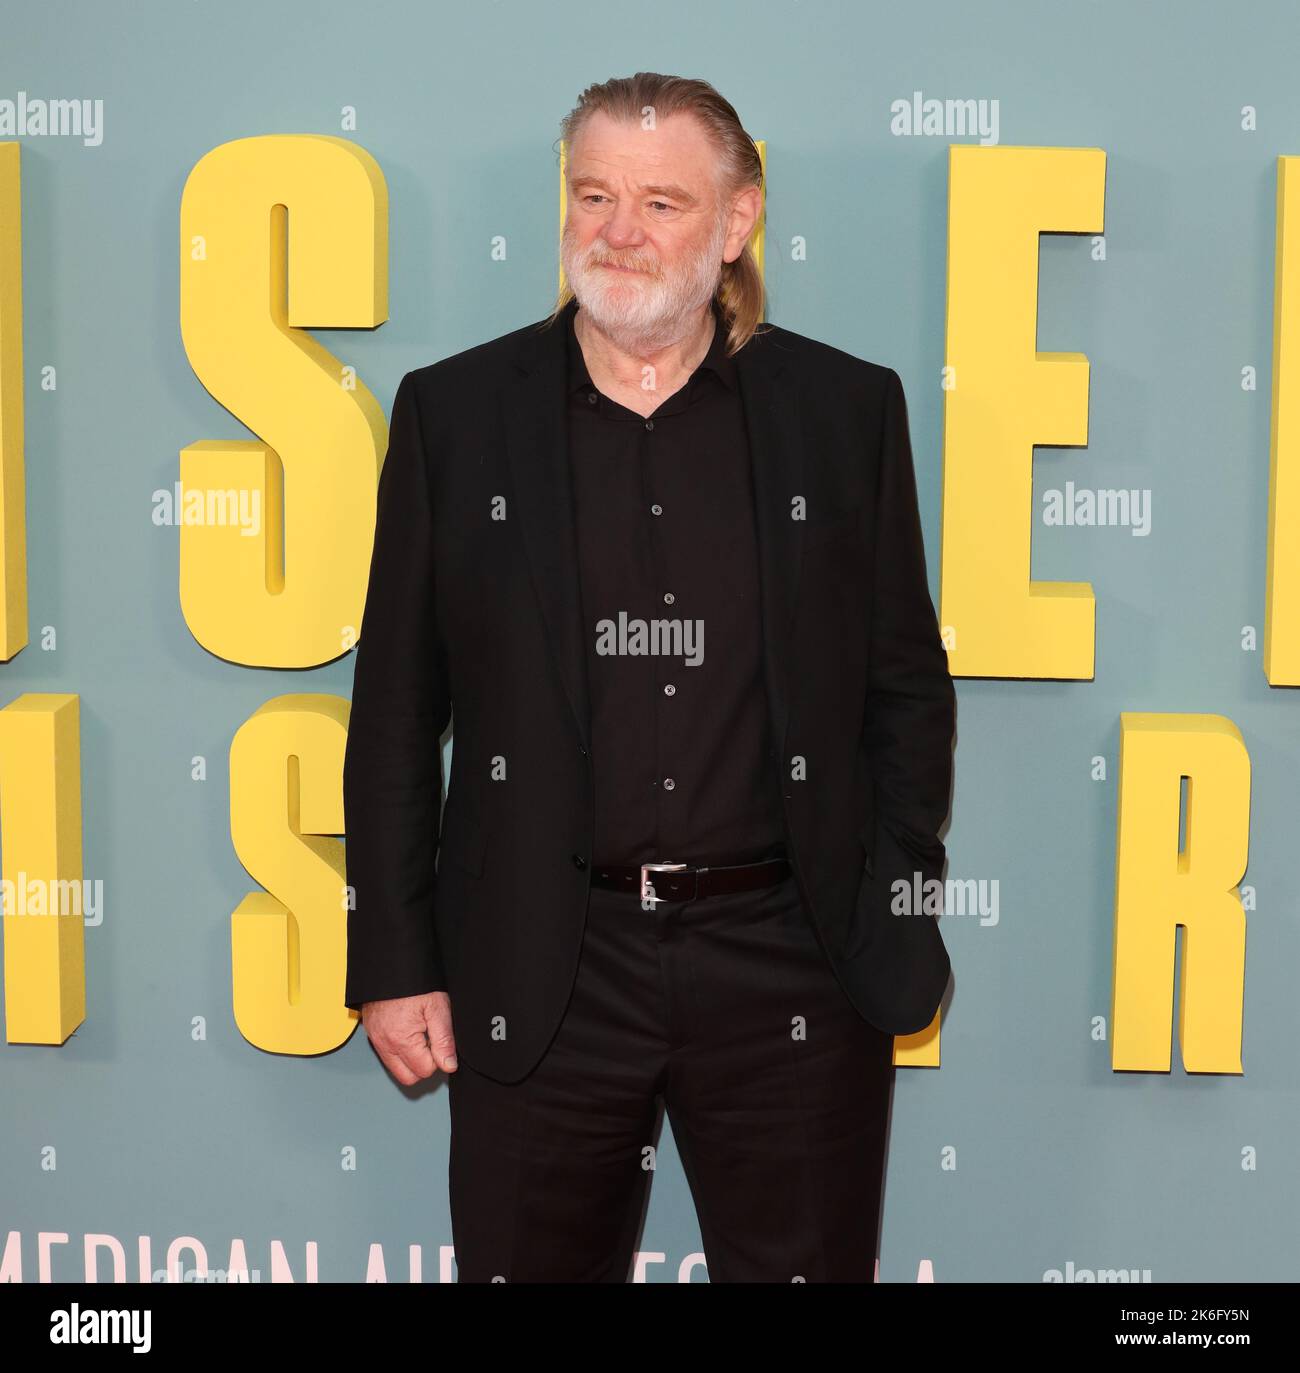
(473, 613)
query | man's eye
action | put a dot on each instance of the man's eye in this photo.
(593, 196)
(664, 203)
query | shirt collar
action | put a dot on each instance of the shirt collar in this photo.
(715, 360)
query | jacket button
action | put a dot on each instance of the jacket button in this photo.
(579, 861)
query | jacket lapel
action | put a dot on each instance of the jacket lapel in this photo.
(537, 450)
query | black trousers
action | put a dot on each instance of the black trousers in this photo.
(776, 1089)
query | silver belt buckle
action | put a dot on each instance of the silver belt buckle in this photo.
(647, 887)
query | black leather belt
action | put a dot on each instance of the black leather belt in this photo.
(680, 882)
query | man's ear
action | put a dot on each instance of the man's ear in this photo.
(746, 209)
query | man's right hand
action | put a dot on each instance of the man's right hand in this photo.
(412, 1035)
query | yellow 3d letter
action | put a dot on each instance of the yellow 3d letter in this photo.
(286, 799)
(1002, 397)
(277, 234)
(13, 529)
(1282, 584)
(1161, 884)
(40, 835)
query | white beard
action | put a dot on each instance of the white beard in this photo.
(644, 313)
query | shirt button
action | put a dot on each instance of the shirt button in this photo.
(649, 424)
(591, 397)
(579, 861)
(669, 784)
(670, 690)
(656, 510)
(669, 598)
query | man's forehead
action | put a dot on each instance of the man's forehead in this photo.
(629, 147)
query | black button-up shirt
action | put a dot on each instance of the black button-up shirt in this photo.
(681, 742)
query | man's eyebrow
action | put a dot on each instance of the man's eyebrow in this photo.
(672, 192)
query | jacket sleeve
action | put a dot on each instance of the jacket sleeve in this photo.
(392, 768)
(911, 702)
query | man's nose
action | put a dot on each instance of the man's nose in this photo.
(623, 229)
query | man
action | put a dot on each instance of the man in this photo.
(666, 571)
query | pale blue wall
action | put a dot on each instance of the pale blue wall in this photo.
(1059, 1160)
